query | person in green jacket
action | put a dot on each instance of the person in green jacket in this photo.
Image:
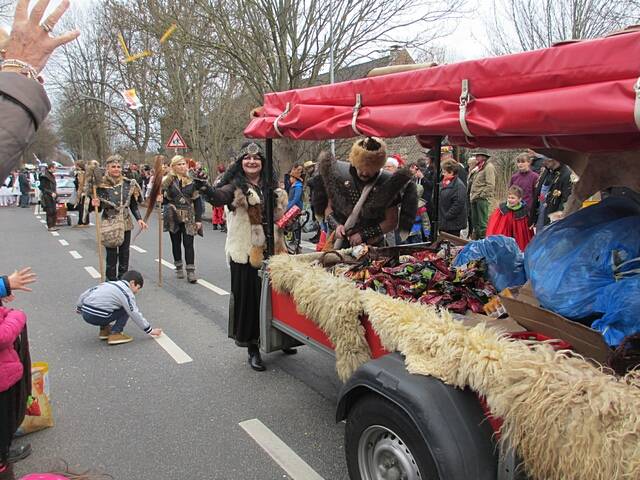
(481, 185)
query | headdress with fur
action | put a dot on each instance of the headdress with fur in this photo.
(368, 153)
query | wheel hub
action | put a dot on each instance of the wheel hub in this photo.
(382, 455)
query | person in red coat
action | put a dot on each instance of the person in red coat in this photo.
(511, 219)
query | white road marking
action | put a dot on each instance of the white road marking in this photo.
(138, 249)
(75, 254)
(92, 224)
(64, 243)
(38, 217)
(93, 272)
(55, 234)
(167, 264)
(212, 287)
(172, 349)
(290, 462)
(43, 221)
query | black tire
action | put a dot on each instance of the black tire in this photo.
(373, 410)
(68, 221)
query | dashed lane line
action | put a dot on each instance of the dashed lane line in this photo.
(167, 264)
(179, 355)
(283, 455)
(64, 243)
(212, 287)
(138, 249)
(55, 234)
(93, 272)
(75, 254)
(43, 221)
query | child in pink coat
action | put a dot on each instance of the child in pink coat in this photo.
(12, 323)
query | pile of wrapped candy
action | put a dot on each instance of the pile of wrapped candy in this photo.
(428, 278)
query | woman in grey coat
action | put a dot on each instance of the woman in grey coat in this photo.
(453, 200)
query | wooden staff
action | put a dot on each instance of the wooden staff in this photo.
(160, 245)
(99, 236)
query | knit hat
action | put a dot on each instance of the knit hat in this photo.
(250, 147)
(368, 153)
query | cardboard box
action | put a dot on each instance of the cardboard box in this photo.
(525, 310)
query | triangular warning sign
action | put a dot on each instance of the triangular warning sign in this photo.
(176, 140)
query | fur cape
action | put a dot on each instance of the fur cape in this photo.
(246, 240)
(566, 418)
(338, 183)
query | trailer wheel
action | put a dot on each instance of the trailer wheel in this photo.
(382, 443)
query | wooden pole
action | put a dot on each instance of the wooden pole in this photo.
(99, 236)
(160, 245)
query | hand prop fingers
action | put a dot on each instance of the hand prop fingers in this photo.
(22, 10)
(65, 38)
(38, 11)
(52, 19)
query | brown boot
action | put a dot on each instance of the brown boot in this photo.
(191, 274)
(179, 271)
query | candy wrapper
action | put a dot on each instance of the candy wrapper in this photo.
(289, 217)
(429, 278)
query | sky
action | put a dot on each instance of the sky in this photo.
(462, 44)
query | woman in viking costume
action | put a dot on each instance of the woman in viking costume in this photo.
(361, 201)
(116, 196)
(182, 215)
(242, 189)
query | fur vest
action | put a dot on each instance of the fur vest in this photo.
(390, 189)
(246, 240)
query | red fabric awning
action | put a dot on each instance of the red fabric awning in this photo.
(577, 96)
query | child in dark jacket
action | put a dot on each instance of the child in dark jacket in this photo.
(511, 219)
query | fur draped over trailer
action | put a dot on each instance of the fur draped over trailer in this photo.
(566, 418)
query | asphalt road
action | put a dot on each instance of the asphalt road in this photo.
(132, 410)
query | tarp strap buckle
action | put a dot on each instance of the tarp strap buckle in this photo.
(280, 117)
(465, 99)
(636, 108)
(354, 118)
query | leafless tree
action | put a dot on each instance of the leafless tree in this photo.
(520, 25)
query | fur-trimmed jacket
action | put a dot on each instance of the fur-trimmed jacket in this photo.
(117, 195)
(246, 222)
(343, 190)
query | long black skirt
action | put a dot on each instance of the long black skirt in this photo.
(244, 325)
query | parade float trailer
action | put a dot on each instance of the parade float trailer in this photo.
(427, 394)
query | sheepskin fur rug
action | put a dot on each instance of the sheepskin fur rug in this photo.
(567, 419)
(330, 303)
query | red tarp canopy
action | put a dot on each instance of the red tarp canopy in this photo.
(578, 96)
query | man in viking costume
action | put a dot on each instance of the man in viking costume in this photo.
(183, 210)
(116, 196)
(242, 190)
(363, 202)
(48, 195)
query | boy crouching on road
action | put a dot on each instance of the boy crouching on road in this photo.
(112, 302)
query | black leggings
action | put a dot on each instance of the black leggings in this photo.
(179, 237)
(118, 259)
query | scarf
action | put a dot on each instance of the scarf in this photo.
(516, 207)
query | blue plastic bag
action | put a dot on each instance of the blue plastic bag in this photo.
(572, 260)
(505, 261)
(620, 304)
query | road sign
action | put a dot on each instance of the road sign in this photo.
(176, 141)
